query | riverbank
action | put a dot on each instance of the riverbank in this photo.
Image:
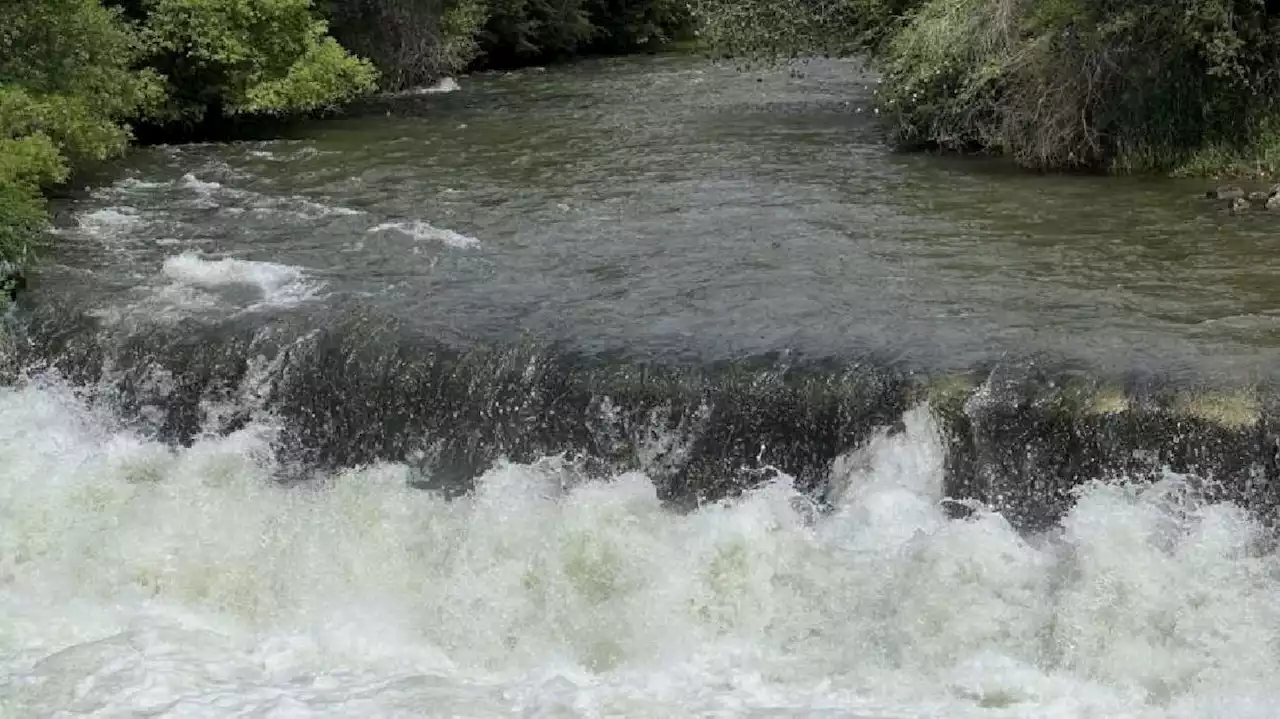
(170, 71)
(1136, 88)
(79, 74)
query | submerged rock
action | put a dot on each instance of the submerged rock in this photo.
(1226, 192)
(12, 281)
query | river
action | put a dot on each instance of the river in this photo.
(597, 391)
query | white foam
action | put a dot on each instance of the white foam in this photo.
(443, 85)
(278, 285)
(208, 194)
(139, 578)
(110, 221)
(423, 231)
(203, 187)
(214, 194)
(310, 209)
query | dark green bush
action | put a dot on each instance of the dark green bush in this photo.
(235, 57)
(412, 42)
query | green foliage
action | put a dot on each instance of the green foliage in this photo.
(26, 164)
(31, 162)
(415, 42)
(764, 30)
(22, 218)
(73, 72)
(77, 129)
(1125, 86)
(67, 78)
(75, 48)
(248, 56)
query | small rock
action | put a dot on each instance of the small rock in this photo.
(1238, 204)
(1226, 192)
(1273, 202)
(12, 281)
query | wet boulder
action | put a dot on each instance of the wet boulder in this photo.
(1024, 444)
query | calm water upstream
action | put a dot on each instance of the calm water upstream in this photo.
(585, 303)
(673, 209)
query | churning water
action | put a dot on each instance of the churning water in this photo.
(551, 405)
(141, 578)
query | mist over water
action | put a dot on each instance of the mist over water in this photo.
(619, 413)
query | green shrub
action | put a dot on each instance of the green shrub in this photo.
(248, 56)
(74, 72)
(67, 79)
(23, 218)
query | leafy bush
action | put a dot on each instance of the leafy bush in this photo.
(66, 80)
(764, 30)
(22, 218)
(73, 73)
(75, 49)
(248, 56)
(414, 42)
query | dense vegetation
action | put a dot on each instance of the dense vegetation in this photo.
(414, 42)
(1189, 86)
(78, 77)
(75, 73)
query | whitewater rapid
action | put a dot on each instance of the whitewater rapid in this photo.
(141, 579)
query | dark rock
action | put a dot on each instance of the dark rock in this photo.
(12, 280)
(1226, 192)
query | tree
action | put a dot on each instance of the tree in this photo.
(248, 57)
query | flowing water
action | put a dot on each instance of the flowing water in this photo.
(613, 390)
